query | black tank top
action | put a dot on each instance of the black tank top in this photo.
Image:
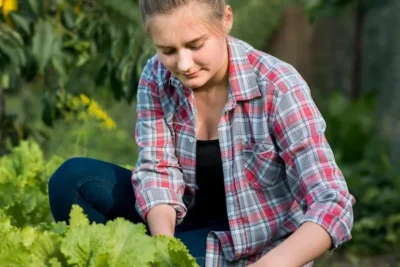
(210, 204)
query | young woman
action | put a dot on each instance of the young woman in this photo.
(233, 159)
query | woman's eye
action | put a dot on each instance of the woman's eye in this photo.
(168, 52)
(196, 47)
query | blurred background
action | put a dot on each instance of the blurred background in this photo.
(69, 72)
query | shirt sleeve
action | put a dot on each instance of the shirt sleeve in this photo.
(157, 178)
(315, 179)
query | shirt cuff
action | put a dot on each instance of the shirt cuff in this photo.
(150, 198)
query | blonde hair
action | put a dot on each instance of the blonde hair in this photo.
(149, 8)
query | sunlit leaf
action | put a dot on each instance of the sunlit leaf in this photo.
(21, 22)
(68, 18)
(43, 42)
(36, 6)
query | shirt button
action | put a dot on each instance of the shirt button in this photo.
(191, 139)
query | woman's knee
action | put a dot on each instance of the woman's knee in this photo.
(63, 185)
(78, 170)
(69, 172)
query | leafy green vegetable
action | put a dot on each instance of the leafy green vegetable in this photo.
(172, 252)
(29, 238)
(117, 243)
(24, 175)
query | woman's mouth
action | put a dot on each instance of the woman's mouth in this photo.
(192, 75)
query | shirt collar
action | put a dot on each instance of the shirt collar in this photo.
(242, 78)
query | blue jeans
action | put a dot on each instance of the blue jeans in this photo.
(105, 192)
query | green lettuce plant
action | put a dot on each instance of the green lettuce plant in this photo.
(118, 243)
(24, 174)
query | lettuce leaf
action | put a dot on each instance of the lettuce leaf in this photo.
(172, 252)
(118, 243)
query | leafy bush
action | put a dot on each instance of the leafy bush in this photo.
(118, 243)
(83, 130)
(89, 138)
(24, 174)
(263, 16)
(79, 47)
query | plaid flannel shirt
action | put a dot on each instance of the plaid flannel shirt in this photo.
(279, 169)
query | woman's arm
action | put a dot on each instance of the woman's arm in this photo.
(161, 220)
(306, 244)
(157, 178)
(316, 182)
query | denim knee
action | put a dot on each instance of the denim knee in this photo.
(69, 172)
(63, 184)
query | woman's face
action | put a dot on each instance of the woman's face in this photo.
(190, 47)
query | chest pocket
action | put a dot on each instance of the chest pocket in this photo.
(263, 167)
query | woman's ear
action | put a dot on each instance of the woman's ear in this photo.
(228, 18)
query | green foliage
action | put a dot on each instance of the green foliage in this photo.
(79, 108)
(117, 243)
(256, 20)
(78, 46)
(88, 138)
(79, 133)
(317, 9)
(24, 175)
(363, 156)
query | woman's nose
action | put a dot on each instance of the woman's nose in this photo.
(185, 61)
